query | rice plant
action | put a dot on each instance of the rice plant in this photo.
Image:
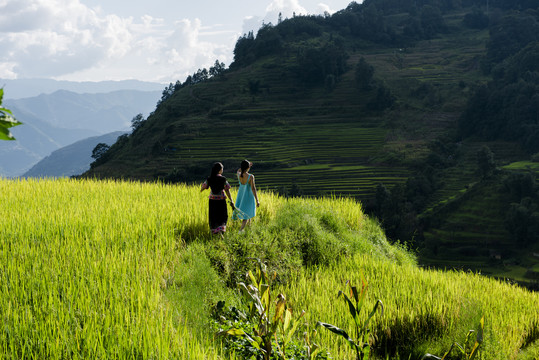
(128, 270)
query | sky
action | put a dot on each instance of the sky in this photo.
(157, 40)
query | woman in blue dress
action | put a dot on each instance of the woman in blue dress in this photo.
(247, 198)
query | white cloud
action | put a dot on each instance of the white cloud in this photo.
(68, 40)
(322, 9)
(6, 71)
(55, 37)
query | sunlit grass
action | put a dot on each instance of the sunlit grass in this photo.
(123, 270)
(425, 311)
(84, 266)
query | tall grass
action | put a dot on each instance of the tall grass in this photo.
(425, 310)
(126, 270)
(85, 266)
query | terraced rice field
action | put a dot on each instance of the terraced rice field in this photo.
(326, 159)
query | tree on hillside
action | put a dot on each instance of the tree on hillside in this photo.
(100, 150)
(137, 122)
(485, 162)
(363, 75)
(268, 41)
(522, 221)
(509, 35)
(476, 19)
(200, 76)
(432, 21)
(169, 90)
(316, 62)
(217, 69)
(520, 185)
(6, 120)
(100, 154)
(384, 99)
(243, 50)
(508, 107)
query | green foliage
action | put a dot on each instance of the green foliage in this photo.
(485, 162)
(508, 107)
(510, 34)
(217, 69)
(6, 120)
(243, 51)
(476, 19)
(268, 41)
(384, 99)
(100, 154)
(137, 122)
(522, 221)
(471, 348)
(432, 21)
(271, 322)
(316, 62)
(301, 234)
(363, 74)
(99, 151)
(362, 342)
(520, 185)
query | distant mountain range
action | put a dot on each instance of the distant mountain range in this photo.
(24, 88)
(101, 113)
(63, 117)
(71, 160)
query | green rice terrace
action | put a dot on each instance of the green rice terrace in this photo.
(128, 270)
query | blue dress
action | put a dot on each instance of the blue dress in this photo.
(245, 201)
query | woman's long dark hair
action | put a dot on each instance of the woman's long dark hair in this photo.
(215, 169)
(245, 165)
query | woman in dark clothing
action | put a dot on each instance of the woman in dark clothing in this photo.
(219, 191)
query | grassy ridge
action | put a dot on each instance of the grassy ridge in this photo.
(105, 269)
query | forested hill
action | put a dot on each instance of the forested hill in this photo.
(426, 110)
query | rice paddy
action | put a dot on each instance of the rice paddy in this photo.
(118, 270)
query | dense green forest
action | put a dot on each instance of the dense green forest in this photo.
(426, 111)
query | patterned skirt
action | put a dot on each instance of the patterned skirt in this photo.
(218, 216)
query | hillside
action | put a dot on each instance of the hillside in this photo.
(35, 140)
(73, 159)
(378, 102)
(325, 141)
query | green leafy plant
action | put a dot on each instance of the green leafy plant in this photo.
(6, 120)
(361, 344)
(471, 347)
(268, 327)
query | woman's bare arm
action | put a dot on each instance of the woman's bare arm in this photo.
(253, 188)
(227, 191)
(203, 186)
